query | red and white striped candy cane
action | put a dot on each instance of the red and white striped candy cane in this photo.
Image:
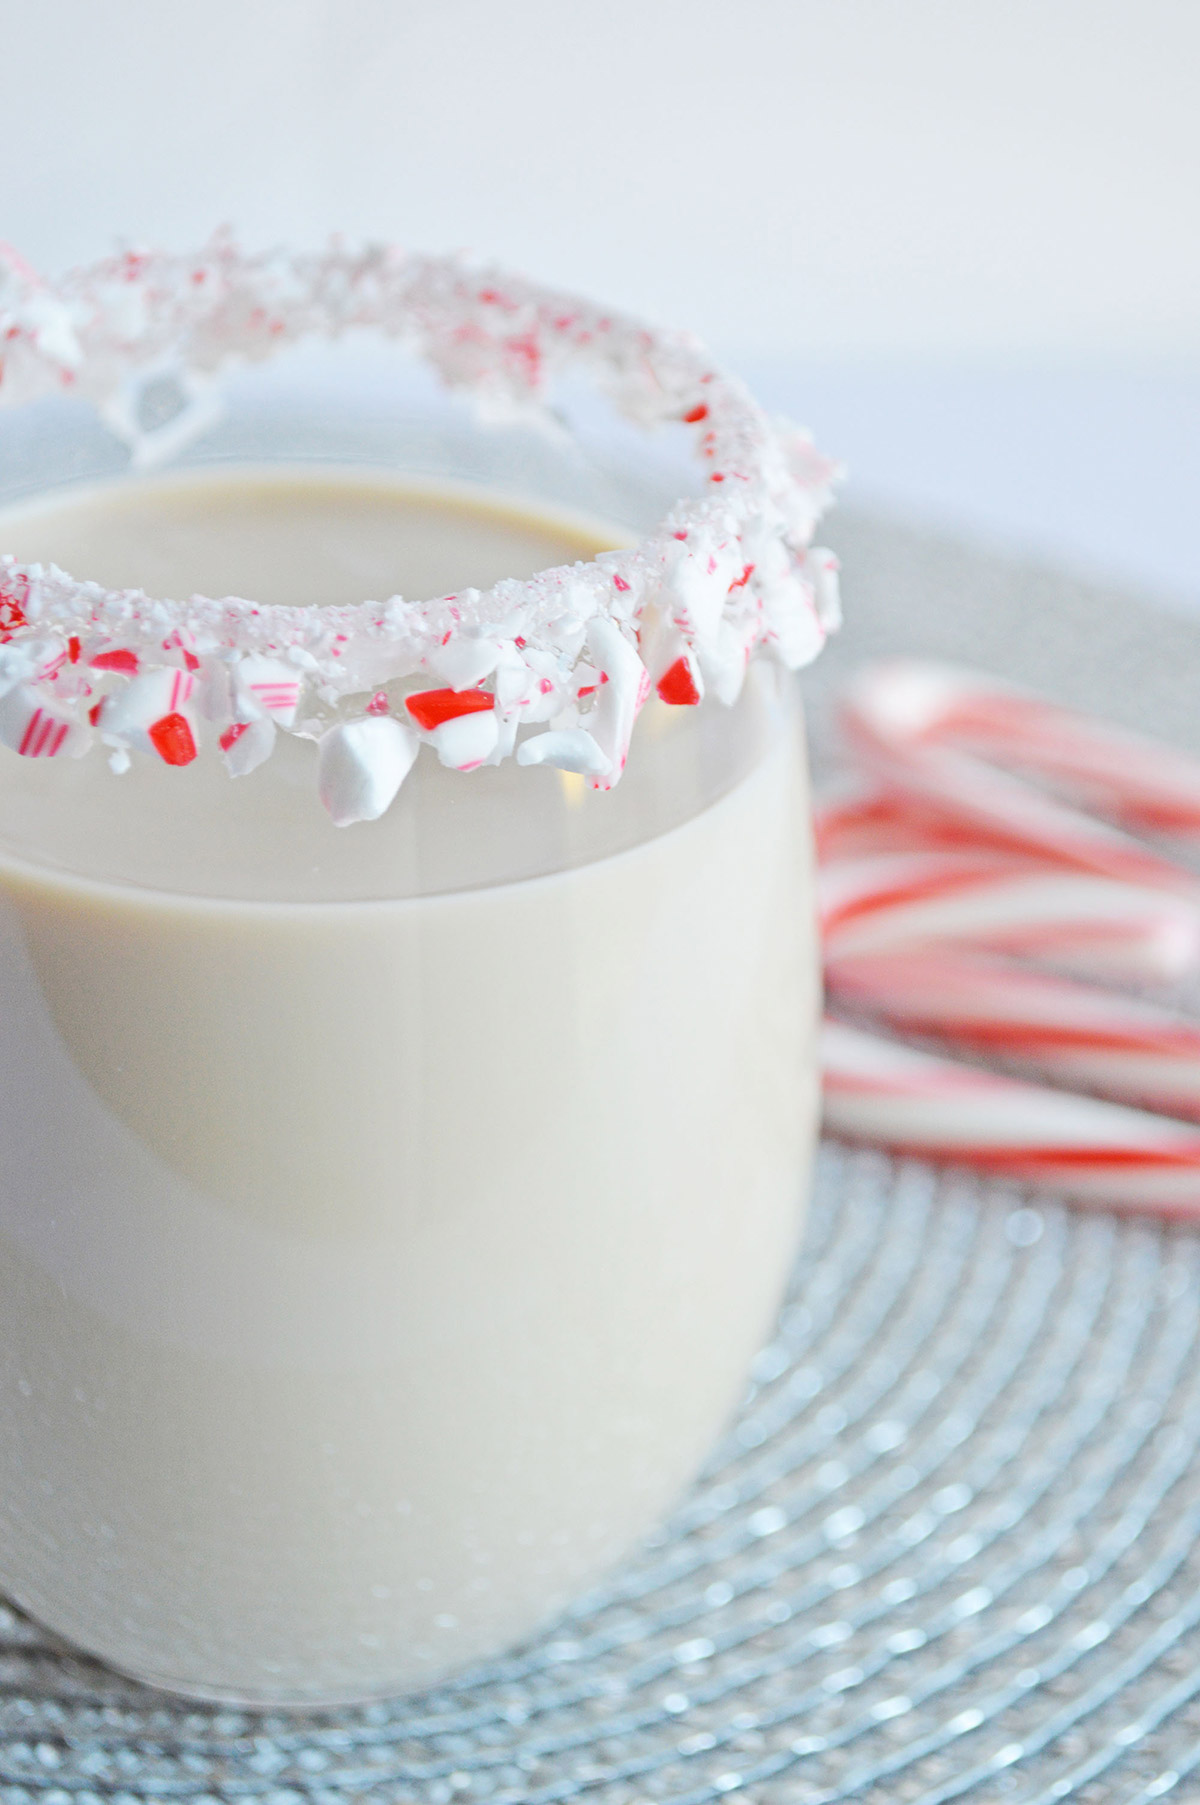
(1080, 1147)
(892, 901)
(867, 818)
(1143, 786)
(1074, 1034)
(899, 720)
(954, 856)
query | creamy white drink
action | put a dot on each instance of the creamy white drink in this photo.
(389, 1213)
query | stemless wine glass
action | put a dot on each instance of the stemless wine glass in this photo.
(391, 1209)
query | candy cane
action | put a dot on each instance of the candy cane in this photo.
(1074, 1034)
(946, 859)
(867, 818)
(899, 718)
(892, 901)
(1081, 1147)
(1144, 786)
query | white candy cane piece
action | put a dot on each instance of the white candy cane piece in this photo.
(49, 322)
(623, 689)
(887, 717)
(23, 660)
(214, 693)
(246, 745)
(1075, 1034)
(467, 741)
(527, 687)
(894, 901)
(670, 662)
(571, 749)
(361, 765)
(1144, 786)
(823, 568)
(697, 577)
(151, 714)
(462, 663)
(1081, 1147)
(36, 729)
(723, 662)
(268, 686)
(790, 609)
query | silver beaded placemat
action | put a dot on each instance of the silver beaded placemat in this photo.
(949, 1548)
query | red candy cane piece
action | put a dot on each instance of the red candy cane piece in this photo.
(172, 738)
(1074, 1034)
(120, 658)
(430, 708)
(680, 684)
(1095, 1151)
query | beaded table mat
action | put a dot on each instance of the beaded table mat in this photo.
(949, 1549)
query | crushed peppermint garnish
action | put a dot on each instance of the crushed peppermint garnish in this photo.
(429, 708)
(14, 593)
(172, 739)
(678, 686)
(554, 668)
(122, 659)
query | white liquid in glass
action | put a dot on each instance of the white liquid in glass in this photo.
(388, 1214)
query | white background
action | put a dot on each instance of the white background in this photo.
(962, 237)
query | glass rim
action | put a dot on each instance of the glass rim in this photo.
(573, 651)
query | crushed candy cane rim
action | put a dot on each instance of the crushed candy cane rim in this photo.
(573, 651)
